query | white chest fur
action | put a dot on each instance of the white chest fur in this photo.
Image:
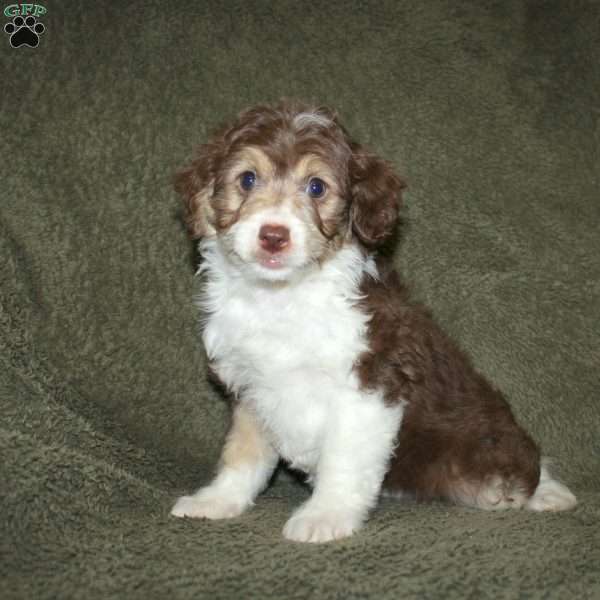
(287, 350)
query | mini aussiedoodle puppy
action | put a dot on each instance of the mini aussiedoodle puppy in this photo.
(330, 366)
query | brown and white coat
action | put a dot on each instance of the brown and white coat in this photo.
(330, 366)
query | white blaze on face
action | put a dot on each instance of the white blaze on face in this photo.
(246, 242)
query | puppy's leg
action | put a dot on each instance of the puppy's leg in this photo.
(355, 455)
(497, 493)
(508, 480)
(247, 462)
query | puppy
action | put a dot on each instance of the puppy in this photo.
(329, 365)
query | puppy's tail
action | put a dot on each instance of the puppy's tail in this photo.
(550, 493)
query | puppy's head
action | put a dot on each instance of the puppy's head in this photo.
(283, 187)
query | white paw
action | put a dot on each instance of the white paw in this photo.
(309, 524)
(207, 506)
(551, 495)
(497, 495)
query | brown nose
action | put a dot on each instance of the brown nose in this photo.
(274, 238)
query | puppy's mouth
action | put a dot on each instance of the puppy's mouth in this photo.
(272, 261)
(278, 266)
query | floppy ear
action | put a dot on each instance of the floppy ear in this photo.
(376, 197)
(196, 185)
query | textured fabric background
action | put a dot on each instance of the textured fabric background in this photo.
(490, 110)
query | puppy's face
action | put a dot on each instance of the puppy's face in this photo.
(278, 201)
(283, 188)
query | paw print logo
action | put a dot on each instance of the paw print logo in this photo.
(24, 31)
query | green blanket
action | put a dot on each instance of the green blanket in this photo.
(488, 109)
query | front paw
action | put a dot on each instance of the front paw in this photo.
(316, 524)
(207, 506)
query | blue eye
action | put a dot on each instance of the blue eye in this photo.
(247, 180)
(316, 188)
